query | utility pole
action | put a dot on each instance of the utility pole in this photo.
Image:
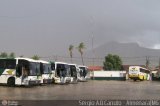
(147, 66)
(93, 49)
(92, 28)
(147, 62)
(159, 66)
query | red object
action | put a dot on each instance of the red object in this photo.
(95, 68)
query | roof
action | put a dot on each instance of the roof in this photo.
(95, 68)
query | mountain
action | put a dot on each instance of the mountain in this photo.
(131, 53)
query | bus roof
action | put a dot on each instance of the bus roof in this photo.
(28, 59)
(60, 62)
(139, 67)
(72, 64)
(42, 61)
(82, 66)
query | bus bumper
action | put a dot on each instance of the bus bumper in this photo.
(47, 81)
(34, 82)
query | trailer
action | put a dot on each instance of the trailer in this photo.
(108, 75)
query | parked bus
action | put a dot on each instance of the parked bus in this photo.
(139, 73)
(62, 72)
(83, 73)
(74, 73)
(19, 71)
(46, 72)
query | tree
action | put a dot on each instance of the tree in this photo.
(12, 55)
(36, 57)
(112, 62)
(3, 55)
(71, 51)
(80, 47)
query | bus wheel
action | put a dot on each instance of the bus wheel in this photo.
(11, 82)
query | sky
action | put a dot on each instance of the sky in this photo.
(48, 27)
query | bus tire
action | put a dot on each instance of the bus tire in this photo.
(11, 82)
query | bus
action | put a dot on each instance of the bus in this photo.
(19, 71)
(61, 72)
(83, 71)
(139, 73)
(74, 73)
(46, 72)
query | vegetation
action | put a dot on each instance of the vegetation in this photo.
(112, 62)
(71, 47)
(6, 55)
(12, 55)
(36, 57)
(80, 48)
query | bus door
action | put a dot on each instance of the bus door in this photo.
(18, 74)
(22, 71)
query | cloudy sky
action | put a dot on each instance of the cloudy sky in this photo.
(48, 27)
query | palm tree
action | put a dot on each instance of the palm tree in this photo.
(80, 49)
(71, 51)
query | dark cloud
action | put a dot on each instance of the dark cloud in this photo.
(49, 27)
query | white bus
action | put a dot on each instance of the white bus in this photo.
(62, 72)
(46, 72)
(19, 71)
(74, 73)
(83, 71)
(139, 73)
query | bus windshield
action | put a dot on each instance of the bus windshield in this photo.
(133, 70)
(73, 70)
(84, 69)
(34, 69)
(67, 69)
(46, 68)
(61, 70)
(38, 72)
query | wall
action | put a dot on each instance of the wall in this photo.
(108, 75)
